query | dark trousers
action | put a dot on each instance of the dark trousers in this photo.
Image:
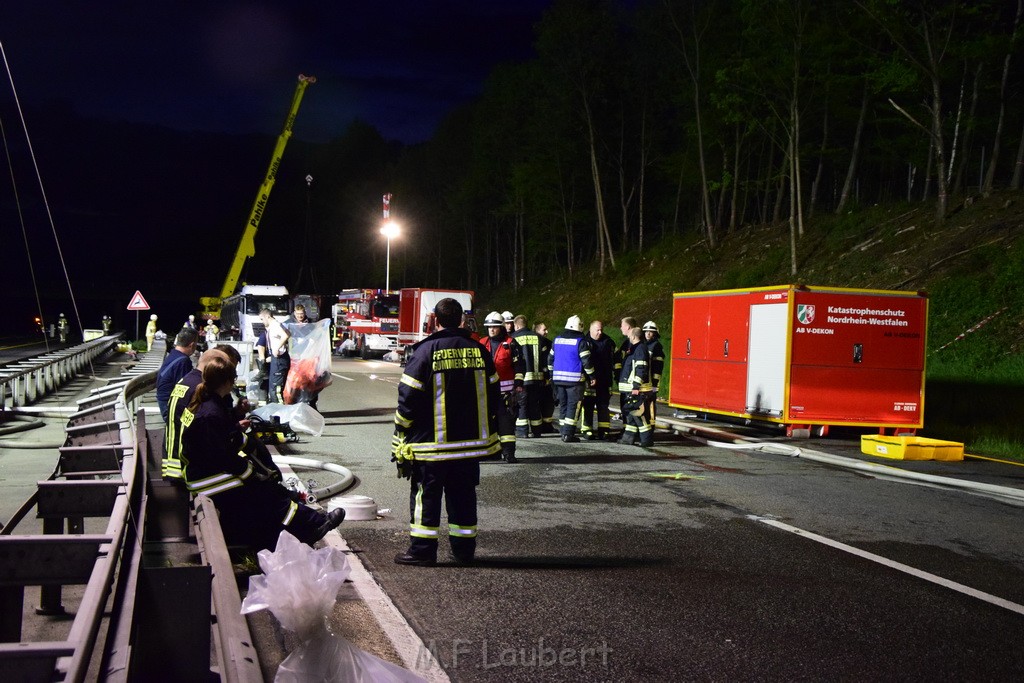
(279, 367)
(507, 410)
(530, 416)
(597, 402)
(547, 407)
(636, 428)
(255, 514)
(456, 482)
(569, 397)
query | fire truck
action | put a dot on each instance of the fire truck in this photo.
(416, 319)
(369, 317)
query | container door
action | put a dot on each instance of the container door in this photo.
(688, 387)
(766, 365)
(728, 332)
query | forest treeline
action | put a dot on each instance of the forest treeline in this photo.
(650, 118)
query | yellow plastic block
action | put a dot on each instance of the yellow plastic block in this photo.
(910, 448)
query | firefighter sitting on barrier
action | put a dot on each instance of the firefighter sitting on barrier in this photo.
(508, 362)
(253, 508)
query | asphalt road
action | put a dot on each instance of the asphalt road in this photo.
(606, 562)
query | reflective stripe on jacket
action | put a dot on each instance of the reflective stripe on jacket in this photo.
(534, 355)
(508, 361)
(570, 358)
(447, 400)
(635, 372)
(657, 361)
(210, 446)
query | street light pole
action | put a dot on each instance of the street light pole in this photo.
(389, 230)
(387, 268)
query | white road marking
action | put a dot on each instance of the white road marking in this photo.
(415, 654)
(946, 583)
(347, 379)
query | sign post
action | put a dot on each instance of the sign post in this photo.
(138, 303)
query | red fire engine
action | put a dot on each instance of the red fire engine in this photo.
(369, 317)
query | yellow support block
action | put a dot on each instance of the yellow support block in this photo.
(910, 448)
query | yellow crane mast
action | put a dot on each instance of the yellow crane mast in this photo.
(247, 245)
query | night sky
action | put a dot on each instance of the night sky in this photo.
(231, 67)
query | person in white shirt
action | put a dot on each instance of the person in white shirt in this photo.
(280, 361)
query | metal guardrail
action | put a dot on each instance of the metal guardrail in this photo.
(25, 382)
(103, 471)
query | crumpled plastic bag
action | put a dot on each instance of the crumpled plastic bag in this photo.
(299, 585)
(310, 349)
(302, 417)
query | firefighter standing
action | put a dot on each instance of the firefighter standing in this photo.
(150, 332)
(528, 420)
(547, 396)
(597, 397)
(107, 323)
(508, 320)
(446, 421)
(508, 363)
(634, 384)
(653, 341)
(63, 328)
(571, 371)
(625, 326)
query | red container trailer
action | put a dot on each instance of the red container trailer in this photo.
(805, 357)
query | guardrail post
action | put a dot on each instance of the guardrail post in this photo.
(51, 598)
(12, 602)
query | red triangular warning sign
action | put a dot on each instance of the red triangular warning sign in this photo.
(138, 302)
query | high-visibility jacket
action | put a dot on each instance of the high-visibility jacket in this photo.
(657, 361)
(181, 396)
(635, 373)
(570, 358)
(448, 400)
(534, 350)
(508, 361)
(210, 446)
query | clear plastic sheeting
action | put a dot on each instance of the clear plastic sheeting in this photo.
(299, 585)
(310, 349)
(301, 417)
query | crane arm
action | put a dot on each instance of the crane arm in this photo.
(247, 245)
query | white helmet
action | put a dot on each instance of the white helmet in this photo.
(507, 316)
(191, 318)
(649, 326)
(493, 319)
(574, 323)
(153, 317)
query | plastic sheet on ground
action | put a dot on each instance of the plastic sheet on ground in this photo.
(301, 417)
(299, 585)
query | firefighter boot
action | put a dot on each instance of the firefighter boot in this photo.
(647, 439)
(628, 438)
(508, 452)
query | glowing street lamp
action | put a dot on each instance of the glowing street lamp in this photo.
(390, 229)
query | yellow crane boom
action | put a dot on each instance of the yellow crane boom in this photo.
(247, 245)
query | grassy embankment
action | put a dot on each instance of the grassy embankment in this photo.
(972, 268)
